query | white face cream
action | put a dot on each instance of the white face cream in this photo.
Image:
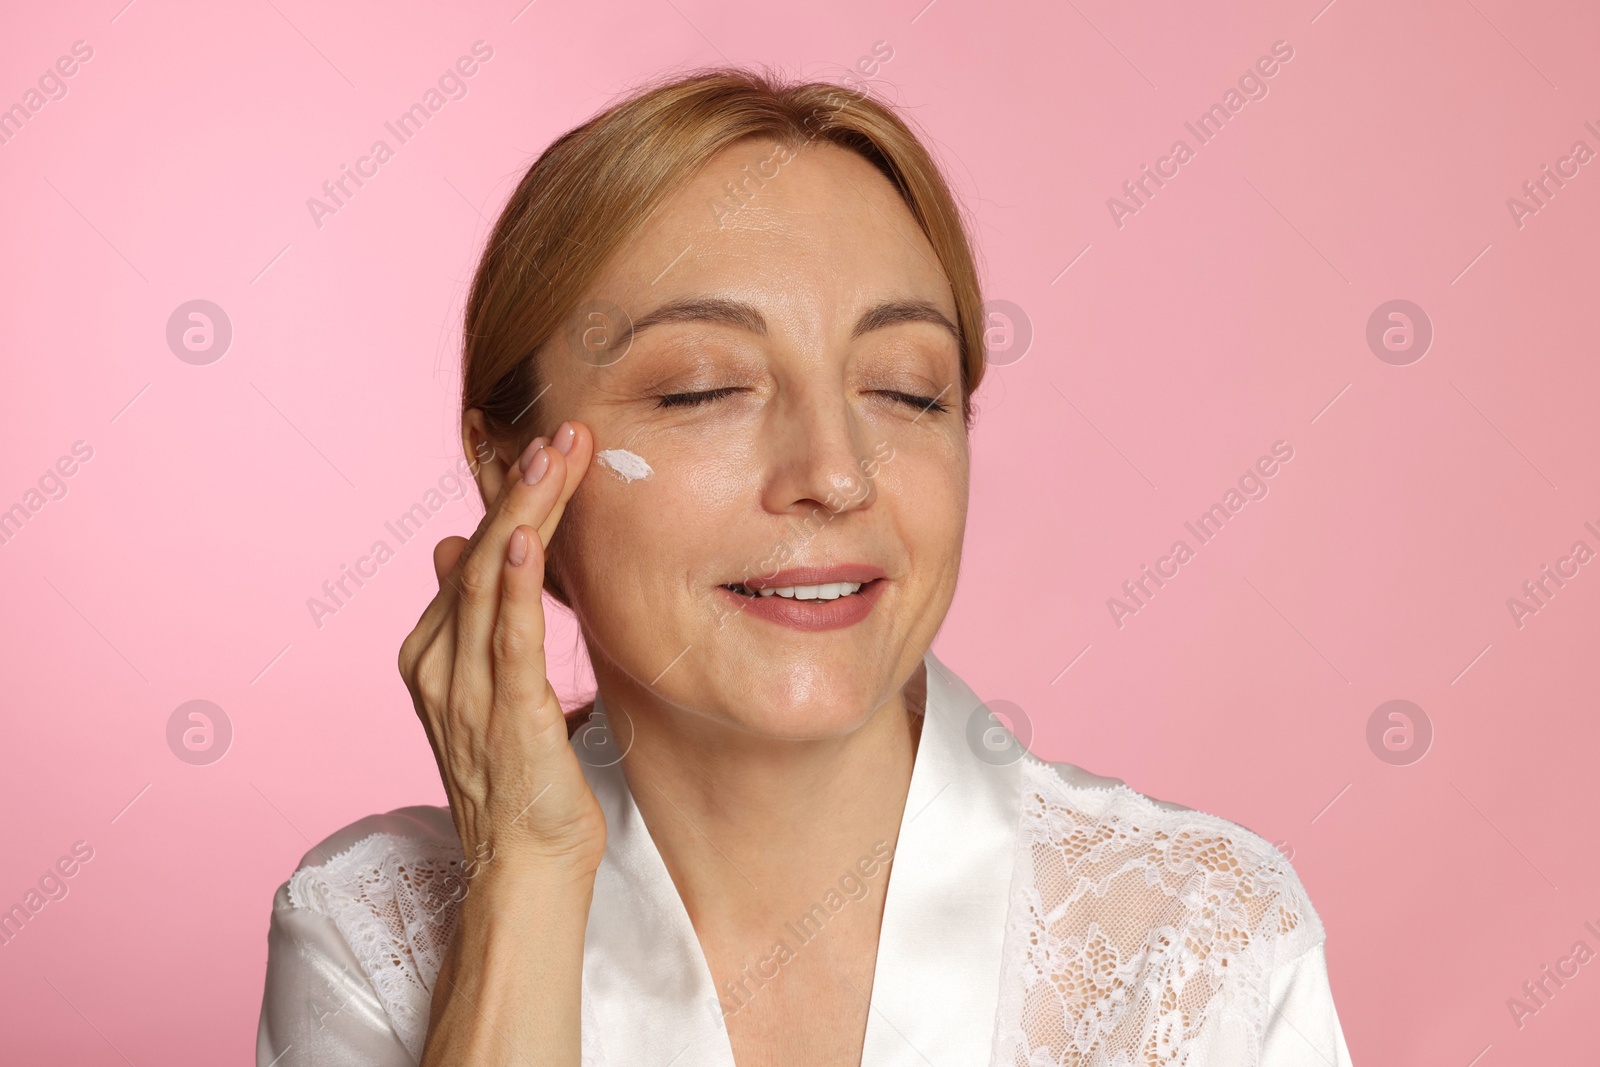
(628, 465)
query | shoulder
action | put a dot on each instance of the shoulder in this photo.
(420, 823)
(363, 923)
(366, 863)
(415, 830)
(1147, 925)
(1183, 864)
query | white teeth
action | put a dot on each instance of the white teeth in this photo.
(831, 591)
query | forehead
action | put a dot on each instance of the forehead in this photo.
(814, 229)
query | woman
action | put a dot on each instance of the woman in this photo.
(745, 321)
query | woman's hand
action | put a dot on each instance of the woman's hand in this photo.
(475, 667)
(508, 988)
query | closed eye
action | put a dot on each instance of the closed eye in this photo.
(707, 396)
(921, 403)
(689, 400)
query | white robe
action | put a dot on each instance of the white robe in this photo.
(1036, 914)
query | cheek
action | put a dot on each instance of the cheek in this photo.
(926, 489)
(611, 563)
(648, 541)
(609, 544)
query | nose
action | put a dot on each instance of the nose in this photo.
(818, 457)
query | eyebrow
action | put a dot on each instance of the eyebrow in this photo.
(744, 316)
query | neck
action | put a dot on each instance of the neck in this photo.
(754, 829)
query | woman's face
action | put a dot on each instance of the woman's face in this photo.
(793, 381)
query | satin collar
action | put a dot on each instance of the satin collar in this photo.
(648, 988)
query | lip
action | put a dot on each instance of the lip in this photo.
(859, 573)
(812, 616)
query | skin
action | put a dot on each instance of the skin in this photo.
(766, 761)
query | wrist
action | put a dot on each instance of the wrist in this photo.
(532, 881)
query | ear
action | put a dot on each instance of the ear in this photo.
(489, 461)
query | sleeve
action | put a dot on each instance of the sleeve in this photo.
(1303, 1026)
(355, 942)
(318, 1007)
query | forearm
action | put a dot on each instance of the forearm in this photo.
(509, 989)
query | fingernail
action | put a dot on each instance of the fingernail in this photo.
(517, 550)
(537, 466)
(527, 453)
(564, 438)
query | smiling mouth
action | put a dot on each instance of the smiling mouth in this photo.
(809, 598)
(806, 593)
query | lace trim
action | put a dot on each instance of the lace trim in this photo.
(1139, 935)
(395, 900)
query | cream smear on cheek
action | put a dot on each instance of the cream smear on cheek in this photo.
(629, 466)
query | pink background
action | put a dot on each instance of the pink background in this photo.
(1228, 313)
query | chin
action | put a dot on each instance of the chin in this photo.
(806, 699)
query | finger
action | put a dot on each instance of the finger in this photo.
(480, 573)
(512, 478)
(579, 456)
(446, 554)
(520, 682)
(453, 554)
(446, 557)
(449, 553)
(426, 668)
(520, 501)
